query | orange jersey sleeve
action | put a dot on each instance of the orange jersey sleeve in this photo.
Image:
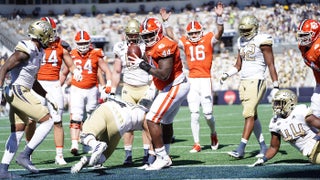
(199, 56)
(89, 65)
(311, 57)
(164, 48)
(51, 63)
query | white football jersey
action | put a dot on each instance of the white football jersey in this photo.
(132, 75)
(25, 73)
(253, 64)
(129, 117)
(295, 130)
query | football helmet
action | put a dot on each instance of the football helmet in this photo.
(151, 31)
(194, 31)
(308, 31)
(284, 102)
(248, 27)
(83, 41)
(132, 31)
(42, 32)
(53, 25)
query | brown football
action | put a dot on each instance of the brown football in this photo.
(134, 49)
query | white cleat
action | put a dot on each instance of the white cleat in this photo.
(159, 163)
(78, 166)
(145, 166)
(59, 160)
(96, 154)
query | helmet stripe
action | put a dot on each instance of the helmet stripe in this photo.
(302, 24)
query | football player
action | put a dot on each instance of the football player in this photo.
(255, 55)
(107, 124)
(135, 83)
(199, 48)
(49, 73)
(162, 61)
(294, 124)
(23, 65)
(84, 93)
(309, 46)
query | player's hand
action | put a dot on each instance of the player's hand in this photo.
(259, 162)
(273, 92)
(107, 88)
(51, 100)
(151, 93)
(77, 74)
(164, 14)
(223, 78)
(134, 60)
(219, 8)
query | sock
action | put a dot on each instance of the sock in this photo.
(27, 151)
(211, 123)
(4, 167)
(161, 151)
(195, 127)
(59, 150)
(258, 133)
(167, 147)
(40, 133)
(11, 146)
(242, 146)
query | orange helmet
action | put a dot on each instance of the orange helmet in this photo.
(151, 31)
(83, 40)
(53, 25)
(308, 32)
(194, 27)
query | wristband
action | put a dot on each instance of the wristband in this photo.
(265, 159)
(145, 66)
(275, 84)
(165, 24)
(232, 71)
(108, 83)
(219, 20)
(113, 90)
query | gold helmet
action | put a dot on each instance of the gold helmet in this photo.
(248, 26)
(42, 32)
(132, 31)
(284, 102)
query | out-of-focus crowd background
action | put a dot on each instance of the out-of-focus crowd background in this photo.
(105, 21)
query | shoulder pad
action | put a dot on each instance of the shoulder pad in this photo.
(65, 45)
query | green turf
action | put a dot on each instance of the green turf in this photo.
(289, 163)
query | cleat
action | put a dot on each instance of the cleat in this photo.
(25, 162)
(8, 175)
(160, 163)
(74, 151)
(195, 148)
(78, 166)
(236, 154)
(145, 166)
(59, 160)
(97, 151)
(128, 161)
(214, 141)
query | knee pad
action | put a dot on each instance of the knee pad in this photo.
(208, 116)
(75, 124)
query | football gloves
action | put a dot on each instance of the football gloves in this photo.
(77, 74)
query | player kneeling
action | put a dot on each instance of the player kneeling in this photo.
(105, 127)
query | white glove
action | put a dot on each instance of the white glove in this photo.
(223, 78)
(1, 93)
(273, 92)
(134, 60)
(259, 162)
(151, 93)
(77, 74)
(51, 100)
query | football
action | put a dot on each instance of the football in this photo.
(134, 49)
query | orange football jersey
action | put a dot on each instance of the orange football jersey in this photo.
(89, 64)
(199, 56)
(311, 57)
(52, 61)
(164, 48)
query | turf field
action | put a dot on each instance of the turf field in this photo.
(207, 164)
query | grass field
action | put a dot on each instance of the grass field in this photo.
(207, 164)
